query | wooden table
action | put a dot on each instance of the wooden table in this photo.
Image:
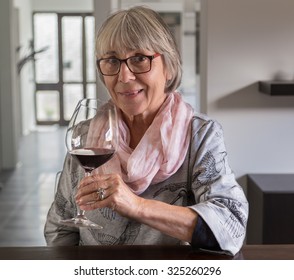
(248, 252)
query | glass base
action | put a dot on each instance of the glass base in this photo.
(80, 221)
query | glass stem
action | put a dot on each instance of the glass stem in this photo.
(79, 211)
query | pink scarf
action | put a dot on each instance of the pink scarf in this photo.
(161, 151)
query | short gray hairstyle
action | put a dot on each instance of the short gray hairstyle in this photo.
(141, 28)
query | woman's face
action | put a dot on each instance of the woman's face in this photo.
(137, 94)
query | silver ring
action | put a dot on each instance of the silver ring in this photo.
(101, 193)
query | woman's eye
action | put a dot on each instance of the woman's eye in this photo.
(139, 59)
(112, 61)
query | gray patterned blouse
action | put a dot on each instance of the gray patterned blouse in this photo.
(214, 192)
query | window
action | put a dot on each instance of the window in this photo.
(65, 68)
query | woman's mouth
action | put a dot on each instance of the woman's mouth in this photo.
(132, 93)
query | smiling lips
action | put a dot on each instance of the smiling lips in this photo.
(133, 93)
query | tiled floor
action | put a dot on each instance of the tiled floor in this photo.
(27, 191)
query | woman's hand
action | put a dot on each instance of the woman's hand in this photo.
(176, 221)
(117, 195)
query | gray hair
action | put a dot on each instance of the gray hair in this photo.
(140, 28)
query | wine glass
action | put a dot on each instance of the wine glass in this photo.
(92, 140)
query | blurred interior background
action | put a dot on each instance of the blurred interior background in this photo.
(47, 64)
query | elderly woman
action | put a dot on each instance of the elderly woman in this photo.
(175, 184)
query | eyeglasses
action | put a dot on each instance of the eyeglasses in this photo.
(137, 64)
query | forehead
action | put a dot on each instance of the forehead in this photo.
(121, 43)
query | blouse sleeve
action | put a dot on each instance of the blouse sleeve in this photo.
(219, 199)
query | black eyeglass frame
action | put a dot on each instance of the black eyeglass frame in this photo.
(150, 57)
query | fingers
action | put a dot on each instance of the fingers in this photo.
(91, 184)
(99, 199)
(116, 195)
(94, 178)
(91, 194)
(95, 189)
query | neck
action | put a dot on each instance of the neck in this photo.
(138, 126)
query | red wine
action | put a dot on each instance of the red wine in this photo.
(91, 158)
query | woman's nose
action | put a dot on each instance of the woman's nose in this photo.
(125, 73)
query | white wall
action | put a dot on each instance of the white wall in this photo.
(248, 41)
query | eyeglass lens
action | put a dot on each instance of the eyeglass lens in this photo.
(136, 64)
